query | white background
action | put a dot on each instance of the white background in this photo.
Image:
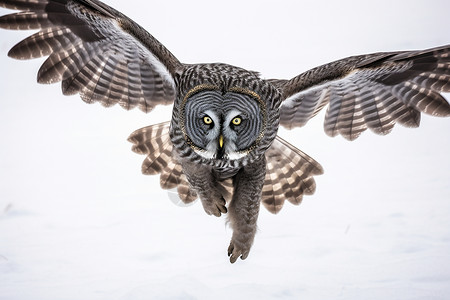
(79, 221)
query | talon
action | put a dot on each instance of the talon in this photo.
(230, 249)
(222, 209)
(233, 259)
(216, 207)
(235, 252)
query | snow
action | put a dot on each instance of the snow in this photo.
(79, 221)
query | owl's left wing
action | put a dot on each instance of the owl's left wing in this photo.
(289, 175)
(369, 91)
(95, 51)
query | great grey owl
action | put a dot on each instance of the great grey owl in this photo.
(221, 144)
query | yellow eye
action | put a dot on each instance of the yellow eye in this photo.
(207, 120)
(236, 121)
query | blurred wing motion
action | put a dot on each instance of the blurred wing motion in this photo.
(95, 51)
(369, 91)
(289, 170)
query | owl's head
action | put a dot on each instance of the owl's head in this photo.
(224, 125)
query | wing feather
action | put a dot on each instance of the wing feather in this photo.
(270, 196)
(24, 5)
(61, 65)
(289, 175)
(154, 142)
(25, 20)
(170, 176)
(43, 43)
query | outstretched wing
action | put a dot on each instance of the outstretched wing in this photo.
(369, 91)
(95, 51)
(154, 142)
(289, 175)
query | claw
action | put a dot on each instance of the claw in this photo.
(235, 253)
(222, 209)
(230, 249)
(233, 259)
(231, 254)
(215, 207)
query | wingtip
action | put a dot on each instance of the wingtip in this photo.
(319, 170)
(273, 205)
(131, 139)
(12, 54)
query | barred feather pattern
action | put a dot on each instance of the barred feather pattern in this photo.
(289, 175)
(289, 171)
(370, 91)
(154, 142)
(95, 51)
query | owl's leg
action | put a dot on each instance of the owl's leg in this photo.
(244, 208)
(205, 185)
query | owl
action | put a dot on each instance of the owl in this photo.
(221, 145)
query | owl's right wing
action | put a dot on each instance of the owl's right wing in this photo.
(154, 142)
(369, 91)
(95, 51)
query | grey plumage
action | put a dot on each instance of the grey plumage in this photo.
(221, 144)
(370, 91)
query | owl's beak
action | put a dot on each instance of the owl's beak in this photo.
(221, 150)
